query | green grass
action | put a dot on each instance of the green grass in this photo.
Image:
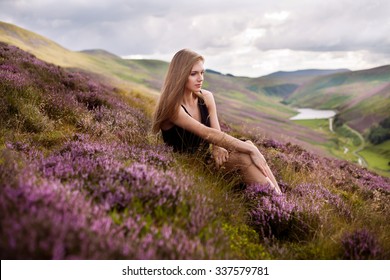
(318, 124)
(345, 132)
(338, 142)
(378, 157)
(236, 95)
(334, 101)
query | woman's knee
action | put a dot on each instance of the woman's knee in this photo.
(250, 142)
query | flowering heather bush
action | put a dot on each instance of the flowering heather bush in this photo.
(64, 213)
(50, 221)
(366, 181)
(36, 96)
(295, 215)
(317, 197)
(342, 174)
(100, 169)
(128, 124)
(21, 83)
(272, 143)
(271, 215)
(361, 245)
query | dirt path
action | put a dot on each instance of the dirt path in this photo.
(361, 160)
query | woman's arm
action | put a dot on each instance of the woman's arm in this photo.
(220, 155)
(212, 108)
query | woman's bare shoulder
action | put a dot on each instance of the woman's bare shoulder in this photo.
(208, 96)
(207, 93)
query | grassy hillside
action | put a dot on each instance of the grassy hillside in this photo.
(282, 84)
(124, 74)
(82, 178)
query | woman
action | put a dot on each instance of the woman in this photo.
(187, 116)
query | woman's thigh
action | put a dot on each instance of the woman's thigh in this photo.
(242, 162)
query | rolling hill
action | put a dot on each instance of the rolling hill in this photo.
(282, 84)
(108, 66)
(305, 73)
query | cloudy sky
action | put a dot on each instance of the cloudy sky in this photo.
(244, 37)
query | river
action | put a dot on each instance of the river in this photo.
(310, 114)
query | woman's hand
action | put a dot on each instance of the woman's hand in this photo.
(258, 160)
(220, 155)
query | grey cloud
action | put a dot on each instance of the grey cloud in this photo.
(345, 26)
(312, 25)
(217, 27)
(76, 25)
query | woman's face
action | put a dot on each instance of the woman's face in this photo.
(195, 79)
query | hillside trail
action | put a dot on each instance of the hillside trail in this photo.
(361, 160)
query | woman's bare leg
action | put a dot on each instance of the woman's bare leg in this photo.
(269, 173)
(250, 173)
(243, 163)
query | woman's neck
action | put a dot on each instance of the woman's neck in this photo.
(189, 99)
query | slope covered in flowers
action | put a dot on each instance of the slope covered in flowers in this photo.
(82, 178)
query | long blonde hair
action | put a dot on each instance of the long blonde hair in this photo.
(174, 86)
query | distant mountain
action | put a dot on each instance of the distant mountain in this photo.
(213, 72)
(282, 84)
(305, 73)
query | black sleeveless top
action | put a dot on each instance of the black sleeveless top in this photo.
(183, 140)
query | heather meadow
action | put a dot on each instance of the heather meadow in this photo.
(82, 177)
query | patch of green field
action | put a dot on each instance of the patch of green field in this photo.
(378, 157)
(348, 133)
(275, 108)
(344, 141)
(333, 101)
(335, 145)
(318, 125)
(340, 144)
(236, 95)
